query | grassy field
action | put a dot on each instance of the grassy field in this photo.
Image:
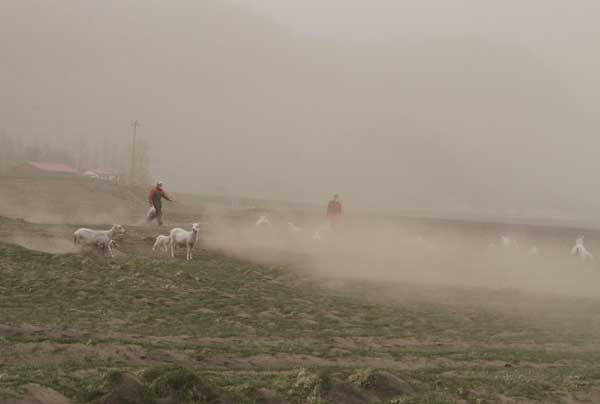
(143, 329)
(148, 330)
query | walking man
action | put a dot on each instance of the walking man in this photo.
(334, 211)
(155, 201)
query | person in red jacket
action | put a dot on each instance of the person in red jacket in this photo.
(334, 211)
(155, 200)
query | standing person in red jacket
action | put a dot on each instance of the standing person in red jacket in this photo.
(155, 200)
(334, 211)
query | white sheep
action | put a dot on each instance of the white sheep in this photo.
(320, 233)
(151, 215)
(184, 238)
(425, 244)
(507, 242)
(293, 229)
(162, 243)
(263, 222)
(580, 250)
(104, 246)
(102, 239)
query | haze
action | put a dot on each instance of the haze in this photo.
(469, 108)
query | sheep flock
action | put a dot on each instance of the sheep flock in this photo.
(104, 240)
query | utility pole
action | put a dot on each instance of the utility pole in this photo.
(135, 125)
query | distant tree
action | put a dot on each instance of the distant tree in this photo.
(142, 160)
(19, 149)
(119, 159)
(33, 151)
(4, 151)
(105, 154)
(83, 153)
(61, 155)
(47, 151)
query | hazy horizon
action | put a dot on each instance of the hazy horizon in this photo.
(468, 107)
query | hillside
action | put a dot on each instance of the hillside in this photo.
(376, 314)
(218, 330)
(70, 200)
(77, 200)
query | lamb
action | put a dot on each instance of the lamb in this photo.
(293, 229)
(151, 215)
(102, 239)
(162, 243)
(320, 233)
(580, 250)
(533, 252)
(104, 246)
(507, 242)
(425, 244)
(181, 238)
(263, 222)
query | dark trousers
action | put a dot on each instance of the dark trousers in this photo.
(159, 215)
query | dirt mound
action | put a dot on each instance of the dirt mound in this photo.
(36, 394)
(382, 384)
(177, 385)
(361, 388)
(166, 384)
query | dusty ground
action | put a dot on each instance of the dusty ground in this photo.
(263, 323)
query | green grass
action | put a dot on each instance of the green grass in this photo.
(232, 328)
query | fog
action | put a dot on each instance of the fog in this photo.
(474, 109)
(415, 260)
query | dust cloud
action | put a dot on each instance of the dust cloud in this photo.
(425, 256)
(52, 245)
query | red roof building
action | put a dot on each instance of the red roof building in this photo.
(45, 168)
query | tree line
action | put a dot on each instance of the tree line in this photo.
(80, 152)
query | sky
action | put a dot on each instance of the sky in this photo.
(537, 21)
(564, 33)
(480, 108)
